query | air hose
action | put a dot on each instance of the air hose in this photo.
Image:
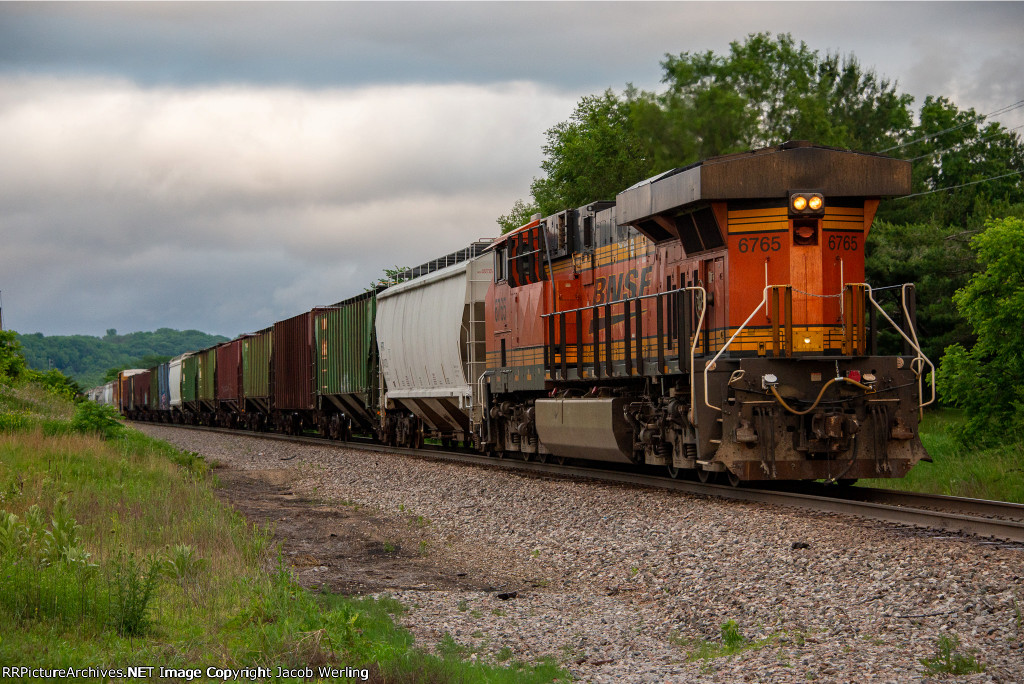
(824, 387)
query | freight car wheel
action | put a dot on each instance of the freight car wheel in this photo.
(542, 458)
(734, 479)
(673, 472)
(703, 475)
(526, 455)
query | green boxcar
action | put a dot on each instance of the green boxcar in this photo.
(189, 376)
(256, 351)
(346, 358)
(154, 389)
(206, 385)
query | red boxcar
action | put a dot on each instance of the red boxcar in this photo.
(293, 372)
(229, 372)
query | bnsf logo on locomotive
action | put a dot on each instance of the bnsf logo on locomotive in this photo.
(622, 285)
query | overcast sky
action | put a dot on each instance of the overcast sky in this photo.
(224, 166)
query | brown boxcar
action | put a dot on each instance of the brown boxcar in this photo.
(126, 398)
(229, 372)
(293, 364)
(140, 391)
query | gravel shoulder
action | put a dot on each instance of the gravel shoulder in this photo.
(623, 584)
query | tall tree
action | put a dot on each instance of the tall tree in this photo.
(981, 380)
(592, 156)
(519, 216)
(765, 91)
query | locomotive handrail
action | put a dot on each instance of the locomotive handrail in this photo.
(696, 332)
(912, 342)
(710, 365)
(920, 358)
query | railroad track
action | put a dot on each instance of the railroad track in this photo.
(994, 519)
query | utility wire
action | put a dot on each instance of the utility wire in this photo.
(946, 149)
(963, 185)
(979, 117)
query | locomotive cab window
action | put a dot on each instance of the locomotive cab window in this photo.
(500, 264)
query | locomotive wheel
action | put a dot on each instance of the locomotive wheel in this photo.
(703, 475)
(673, 472)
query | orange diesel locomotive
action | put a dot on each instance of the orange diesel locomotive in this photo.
(712, 319)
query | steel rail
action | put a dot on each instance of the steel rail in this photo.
(873, 504)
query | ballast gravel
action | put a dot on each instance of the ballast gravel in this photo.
(624, 584)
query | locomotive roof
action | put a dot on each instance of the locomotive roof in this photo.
(771, 172)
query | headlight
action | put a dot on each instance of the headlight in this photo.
(806, 203)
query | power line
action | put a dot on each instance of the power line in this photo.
(963, 185)
(977, 118)
(946, 149)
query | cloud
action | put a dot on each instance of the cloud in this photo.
(221, 165)
(245, 201)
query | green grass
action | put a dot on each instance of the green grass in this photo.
(949, 660)
(731, 643)
(117, 551)
(995, 473)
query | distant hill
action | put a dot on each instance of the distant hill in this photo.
(86, 359)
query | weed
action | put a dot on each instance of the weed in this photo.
(389, 547)
(193, 463)
(949, 660)
(183, 563)
(449, 648)
(92, 418)
(535, 553)
(463, 605)
(504, 654)
(732, 642)
(132, 587)
(498, 612)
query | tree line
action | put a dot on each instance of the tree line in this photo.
(92, 361)
(967, 168)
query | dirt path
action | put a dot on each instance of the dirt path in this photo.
(346, 548)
